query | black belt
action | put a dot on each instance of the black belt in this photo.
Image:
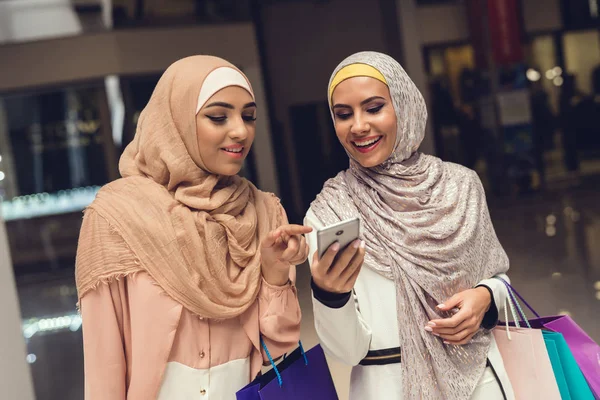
(382, 357)
(393, 356)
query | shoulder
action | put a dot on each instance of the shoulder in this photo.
(257, 194)
(266, 202)
(132, 186)
(128, 196)
(453, 167)
(335, 187)
(462, 173)
(272, 203)
(336, 182)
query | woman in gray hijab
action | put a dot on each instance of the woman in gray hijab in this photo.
(414, 321)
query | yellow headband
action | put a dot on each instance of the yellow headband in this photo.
(353, 70)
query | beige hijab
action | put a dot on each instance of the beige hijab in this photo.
(197, 234)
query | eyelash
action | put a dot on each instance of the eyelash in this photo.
(373, 110)
(222, 119)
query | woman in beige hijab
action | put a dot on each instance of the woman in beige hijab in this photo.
(182, 265)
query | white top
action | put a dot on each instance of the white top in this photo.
(216, 383)
(370, 323)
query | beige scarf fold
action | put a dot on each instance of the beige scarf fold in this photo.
(197, 234)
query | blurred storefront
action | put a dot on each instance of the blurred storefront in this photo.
(559, 70)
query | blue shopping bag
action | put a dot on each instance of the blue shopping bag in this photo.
(578, 387)
(300, 376)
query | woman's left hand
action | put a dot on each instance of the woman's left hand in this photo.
(283, 247)
(472, 304)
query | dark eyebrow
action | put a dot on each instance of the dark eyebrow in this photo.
(220, 104)
(362, 103)
(227, 105)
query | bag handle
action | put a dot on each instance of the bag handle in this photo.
(509, 303)
(279, 379)
(513, 291)
(513, 301)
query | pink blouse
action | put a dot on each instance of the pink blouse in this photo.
(141, 344)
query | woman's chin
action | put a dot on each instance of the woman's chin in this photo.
(370, 160)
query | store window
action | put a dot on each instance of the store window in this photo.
(56, 150)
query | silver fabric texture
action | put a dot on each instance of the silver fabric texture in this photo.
(427, 227)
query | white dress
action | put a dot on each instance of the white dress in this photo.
(369, 326)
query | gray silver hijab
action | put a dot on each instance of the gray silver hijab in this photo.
(427, 228)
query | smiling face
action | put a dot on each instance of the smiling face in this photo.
(226, 126)
(365, 119)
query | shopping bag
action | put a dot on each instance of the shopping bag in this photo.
(576, 383)
(527, 363)
(559, 373)
(585, 351)
(300, 376)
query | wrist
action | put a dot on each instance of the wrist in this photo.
(276, 275)
(487, 295)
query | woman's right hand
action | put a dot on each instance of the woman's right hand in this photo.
(338, 275)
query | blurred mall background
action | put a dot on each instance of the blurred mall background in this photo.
(513, 88)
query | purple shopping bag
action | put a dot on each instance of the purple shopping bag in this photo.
(301, 375)
(584, 349)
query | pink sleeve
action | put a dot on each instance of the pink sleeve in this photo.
(103, 342)
(279, 318)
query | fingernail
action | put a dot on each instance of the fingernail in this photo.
(441, 306)
(431, 323)
(362, 244)
(428, 329)
(356, 244)
(335, 247)
(435, 334)
(446, 342)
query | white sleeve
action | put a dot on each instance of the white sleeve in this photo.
(343, 333)
(498, 289)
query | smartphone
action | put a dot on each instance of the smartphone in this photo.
(344, 233)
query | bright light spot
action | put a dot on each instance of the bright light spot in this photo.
(597, 286)
(75, 323)
(558, 81)
(598, 295)
(550, 231)
(0, 158)
(533, 75)
(71, 322)
(551, 219)
(557, 71)
(2, 176)
(564, 312)
(556, 275)
(31, 358)
(30, 331)
(550, 74)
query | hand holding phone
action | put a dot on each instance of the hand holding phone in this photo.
(339, 257)
(342, 233)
